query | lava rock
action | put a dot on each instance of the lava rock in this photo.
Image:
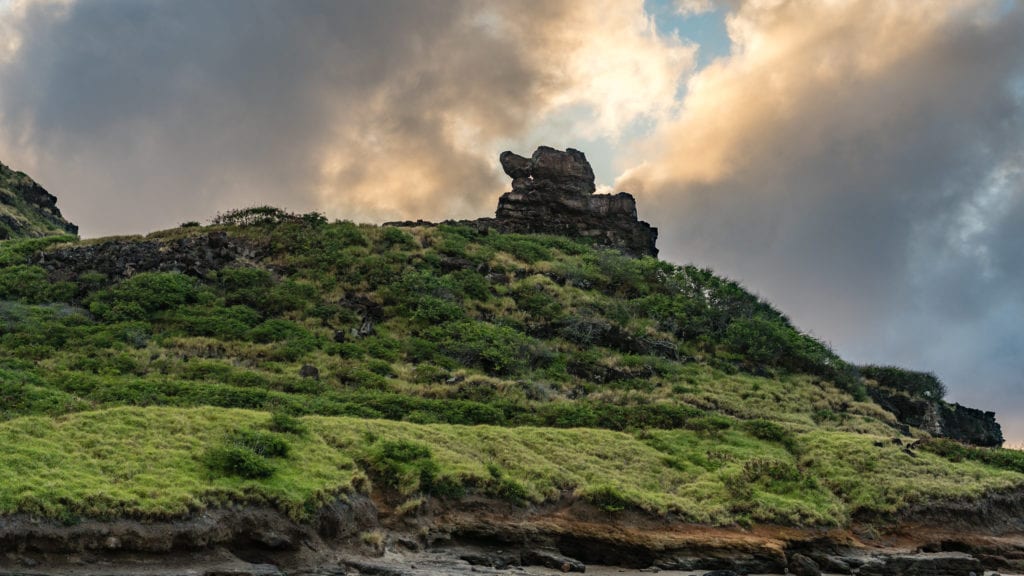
(800, 565)
(552, 559)
(553, 193)
(943, 564)
(120, 258)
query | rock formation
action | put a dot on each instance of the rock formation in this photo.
(27, 209)
(939, 418)
(119, 258)
(553, 193)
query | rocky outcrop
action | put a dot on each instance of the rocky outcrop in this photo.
(553, 193)
(119, 258)
(916, 399)
(27, 209)
(970, 425)
(940, 418)
(941, 564)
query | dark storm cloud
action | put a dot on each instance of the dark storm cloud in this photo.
(140, 113)
(859, 164)
(155, 107)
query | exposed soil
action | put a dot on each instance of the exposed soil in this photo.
(367, 535)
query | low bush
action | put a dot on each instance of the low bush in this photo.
(924, 385)
(237, 461)
(771, 431)
(287, 424)
(404, 465)
(607, 498)
(30, 284)
(267, 444)
(957, 452)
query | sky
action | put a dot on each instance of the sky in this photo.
(858, 163)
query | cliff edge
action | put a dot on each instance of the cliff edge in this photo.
(27, 210)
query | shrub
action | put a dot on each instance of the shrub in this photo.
(957, 452)
(505, 488)
(770, 431)
(710, 424)
(31, 284)
(247, 286)
(265, 444)
(226, 323)
(143, 294)
(429, 374)
(758, 340)
(237, 461)
(495, 349)
(525, 248)
(923, 385)
(431, 310)
(277, 330)
(266, 215)
(404, 465)
(392, 237)
(607, 498)
(471, 284)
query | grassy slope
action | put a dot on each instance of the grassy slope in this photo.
(515, 366)
(148, 462)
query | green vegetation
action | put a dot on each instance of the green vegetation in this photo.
(957, 452)
(437, 362)
(923, 385)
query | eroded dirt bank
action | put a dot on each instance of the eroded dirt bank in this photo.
(360, 535)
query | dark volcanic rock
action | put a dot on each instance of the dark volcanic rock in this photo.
(553, 193)
(120, 258)
(552, 559)
(940, 418)
(800, 565)
(943, 564)
(550, 170)
(27, 209)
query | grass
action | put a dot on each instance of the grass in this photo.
(884, 479)
(151, 463)
(524, 368)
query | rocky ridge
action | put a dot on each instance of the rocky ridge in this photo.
(27, 209)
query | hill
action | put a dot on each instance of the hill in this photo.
(292, 389)
(27, 210)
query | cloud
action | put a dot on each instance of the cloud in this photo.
(858, 162)
(691, 7)
(140, 114)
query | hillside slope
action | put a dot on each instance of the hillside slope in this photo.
(404, 386)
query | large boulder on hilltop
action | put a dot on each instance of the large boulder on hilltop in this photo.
(553, 193)
(550, 170)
